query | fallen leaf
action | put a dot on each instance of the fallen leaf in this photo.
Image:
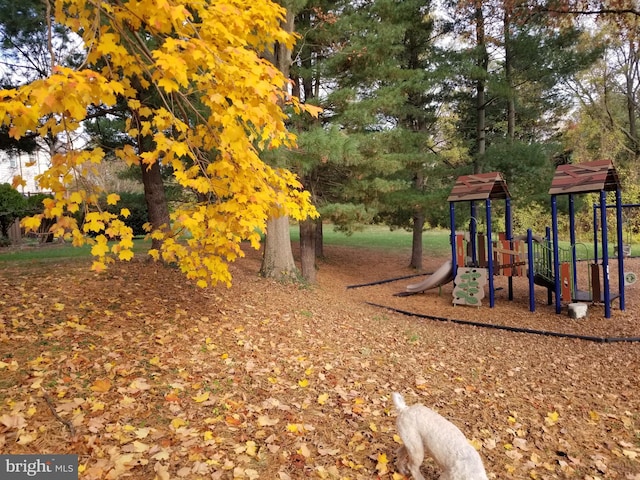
(265, 421)
(552, 418)
(201, 398)
(101, 385)
(304, 450)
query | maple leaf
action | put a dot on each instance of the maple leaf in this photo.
(176, 423)
(58, 307)
(201, 398)
(101, 385)
(381, 466)
(31, 223)
(552, 418)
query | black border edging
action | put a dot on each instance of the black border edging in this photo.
(547, 333)
(389, 280)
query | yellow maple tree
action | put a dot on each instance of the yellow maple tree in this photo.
(219, 104)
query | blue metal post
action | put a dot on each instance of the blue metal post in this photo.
(620, 249)
(556, 259)
(605, 254)
(530, 272)
(473, 234)
(572, 237)
(507, 220)
(490, 255)
(595, 233)
(509, 233)
(452, 219)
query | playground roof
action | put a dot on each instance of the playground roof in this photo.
(584, 178)
(481, 186)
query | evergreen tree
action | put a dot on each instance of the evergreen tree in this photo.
(388, 87)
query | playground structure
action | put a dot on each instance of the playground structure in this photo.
(476, 258)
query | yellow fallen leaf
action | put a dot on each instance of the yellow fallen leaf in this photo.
(304, 383)
(154, 361)
(201, 398)
(552, 418)
(381, 466)
(322, 398)
(475, 443)
(373, 427)
(252, 449)
(177, 423)
(101, 385)
(208, 435)
(295, 427)
(58, 307)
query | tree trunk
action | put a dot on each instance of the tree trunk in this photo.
(508, 73)
(308, 250)
(319, 244)
(155, 198)
(416, 243)
(632, 104)
(277, 260)
(418, 226)
(483, 63)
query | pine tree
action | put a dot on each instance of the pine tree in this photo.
(389, 84)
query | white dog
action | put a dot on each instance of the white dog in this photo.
(422, 429)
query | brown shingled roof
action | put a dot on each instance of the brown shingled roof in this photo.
(481, 186)
(584, 178)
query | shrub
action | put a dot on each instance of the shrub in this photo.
(12, 207)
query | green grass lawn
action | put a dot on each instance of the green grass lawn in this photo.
(435, 242)
(37, 252)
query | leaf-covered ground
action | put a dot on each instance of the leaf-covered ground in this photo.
(145, 376)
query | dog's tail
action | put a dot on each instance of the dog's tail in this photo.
(398, 401)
